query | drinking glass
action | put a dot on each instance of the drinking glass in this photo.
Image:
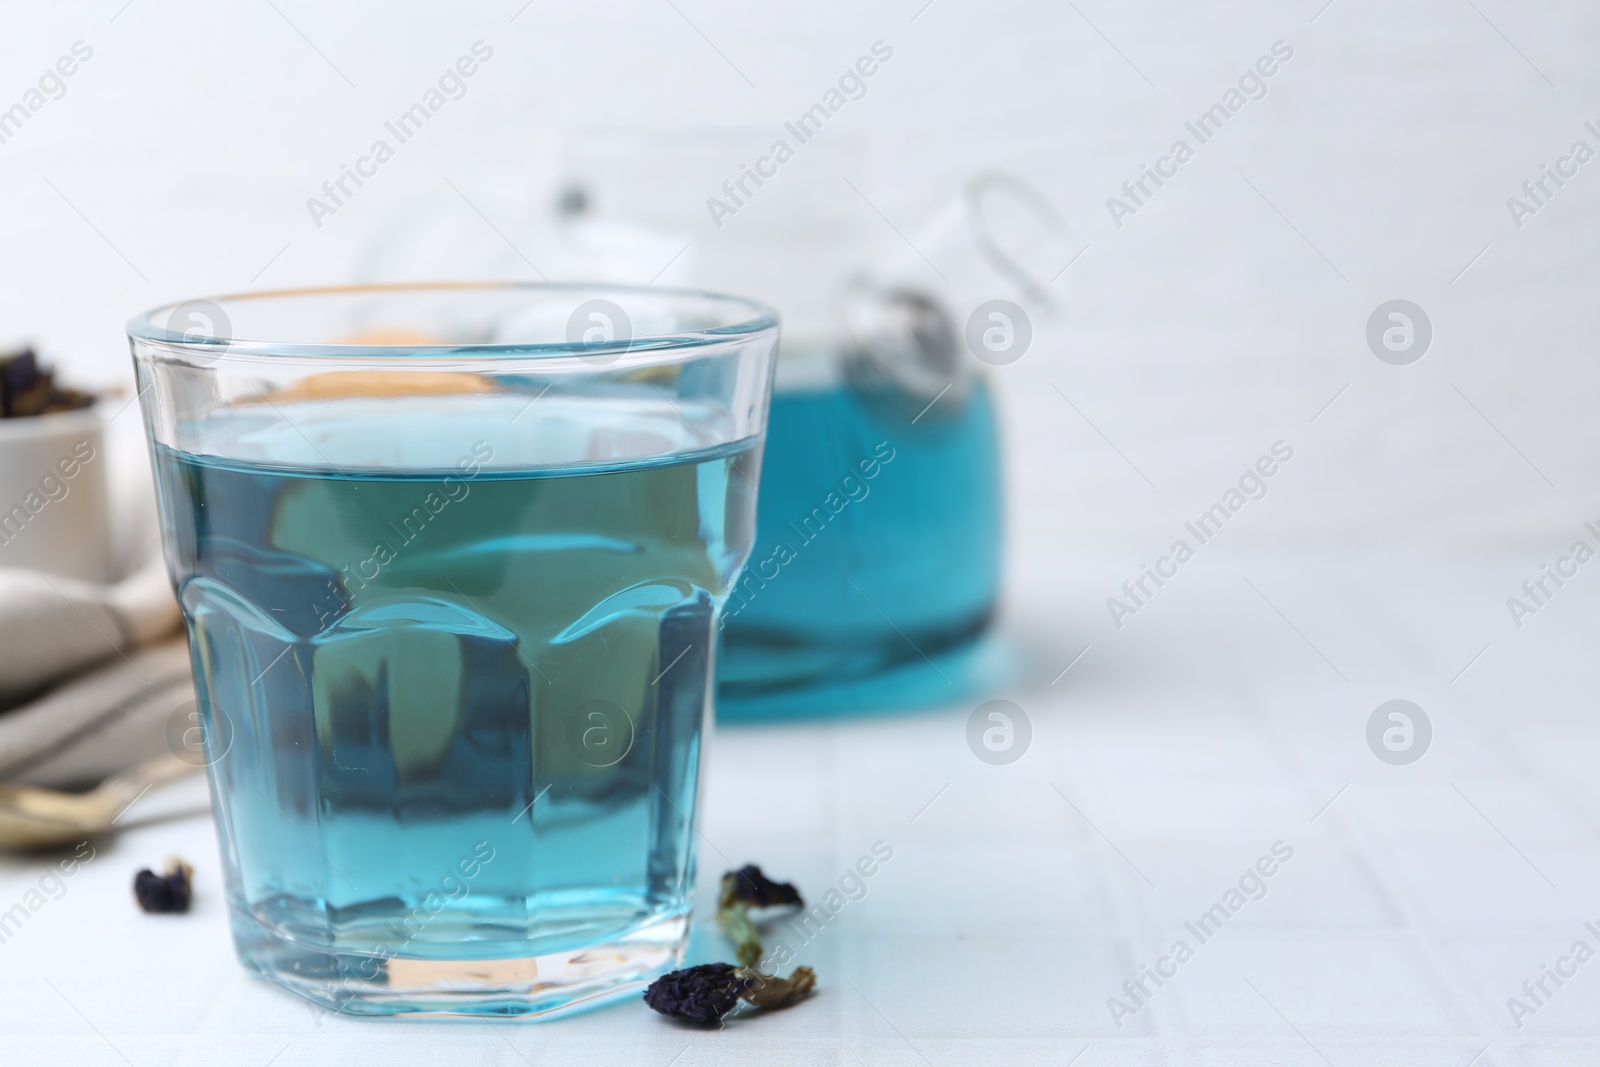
(451, 559)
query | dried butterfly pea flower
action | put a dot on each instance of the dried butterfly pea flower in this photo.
(170, 891)
(753, 887)
(771, 992)
(706, 993)
(742, 890)
(702, 994)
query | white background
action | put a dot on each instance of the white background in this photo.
(1196, 335)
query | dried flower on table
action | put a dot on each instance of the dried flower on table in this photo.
(706, 993)
(169, 891)
(702, 994)
(742, 890)
(753, 887)
(770, 991)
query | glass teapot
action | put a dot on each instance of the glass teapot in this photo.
(876, 566)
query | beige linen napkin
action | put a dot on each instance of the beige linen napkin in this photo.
(90, 675)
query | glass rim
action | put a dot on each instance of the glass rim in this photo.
(753, 318)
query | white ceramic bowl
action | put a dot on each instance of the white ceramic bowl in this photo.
(53, 502)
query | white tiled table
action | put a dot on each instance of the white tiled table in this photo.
(1162, 765)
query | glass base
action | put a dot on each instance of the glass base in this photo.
(462, 983)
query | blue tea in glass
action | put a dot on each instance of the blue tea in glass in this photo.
(451, 603)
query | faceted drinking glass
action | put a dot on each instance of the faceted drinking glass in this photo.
(451, 559)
